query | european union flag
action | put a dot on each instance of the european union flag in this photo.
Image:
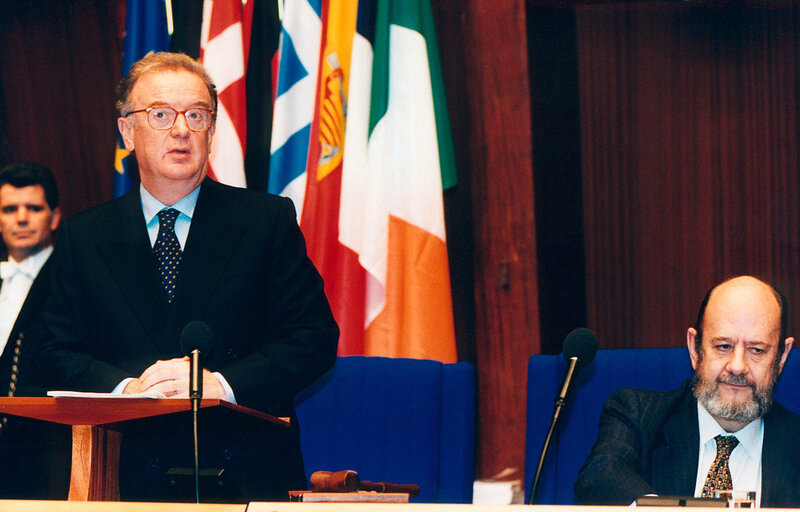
(145, 31)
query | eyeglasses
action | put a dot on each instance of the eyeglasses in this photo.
(163, 118)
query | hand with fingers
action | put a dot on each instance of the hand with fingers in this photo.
(171, 378)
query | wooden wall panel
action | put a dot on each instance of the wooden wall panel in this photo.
(501, 169)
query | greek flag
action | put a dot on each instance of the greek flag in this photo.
(298, 69)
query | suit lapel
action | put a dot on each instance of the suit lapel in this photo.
(779, 473)
(126, 250)
(675, 463)
(33, 301)
(38, 293)
(213, 237)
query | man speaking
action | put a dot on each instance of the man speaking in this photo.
(130, 274)
(719, 431)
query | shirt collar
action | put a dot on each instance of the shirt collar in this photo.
(750, 436)
(31, 265)
(151, 206)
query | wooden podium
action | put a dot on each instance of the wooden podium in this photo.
(98, 425)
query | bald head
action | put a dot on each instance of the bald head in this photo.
(745, 298)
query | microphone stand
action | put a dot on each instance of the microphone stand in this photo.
(560, 402)
(195, 394)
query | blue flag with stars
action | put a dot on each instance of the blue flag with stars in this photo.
(145, 31)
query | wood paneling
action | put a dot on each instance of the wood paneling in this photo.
(501, 170)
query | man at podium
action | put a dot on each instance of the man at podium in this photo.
(131, 273)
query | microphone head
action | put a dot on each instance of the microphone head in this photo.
(580, 343)
(197, 335)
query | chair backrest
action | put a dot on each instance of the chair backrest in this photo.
(403, 421)
(650, 368)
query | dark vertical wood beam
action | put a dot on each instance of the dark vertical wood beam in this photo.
(501, 170)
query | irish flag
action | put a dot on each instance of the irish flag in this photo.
(379, 156)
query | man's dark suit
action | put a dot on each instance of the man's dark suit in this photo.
(37, 454)
(649, 443)
(244, 272)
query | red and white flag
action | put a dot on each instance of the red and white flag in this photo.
(224, 45)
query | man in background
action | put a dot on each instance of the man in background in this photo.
(720, 430)
(130, 274)
(35, 455)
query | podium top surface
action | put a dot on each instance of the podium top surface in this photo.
(116, 410)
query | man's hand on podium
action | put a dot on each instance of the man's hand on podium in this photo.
(171, 378)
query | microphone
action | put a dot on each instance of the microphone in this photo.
(196, 341)
(580, 347)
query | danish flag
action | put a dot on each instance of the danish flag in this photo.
(224, 46)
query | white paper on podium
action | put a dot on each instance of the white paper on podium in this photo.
(86, 394)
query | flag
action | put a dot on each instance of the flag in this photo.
(145, 31)
(398, 157)
(378, 156)
(264, 38)
(295, 98)
(345, 278)
(312, 67)
(224, 42)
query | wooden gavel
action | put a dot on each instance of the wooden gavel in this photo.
(348, 481)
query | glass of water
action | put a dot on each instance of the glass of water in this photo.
(738, 499)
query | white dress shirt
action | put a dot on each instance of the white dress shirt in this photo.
(17, 279)
(745, 461)
(150, 208)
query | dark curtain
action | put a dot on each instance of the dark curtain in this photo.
(689, 141)
(59, 61)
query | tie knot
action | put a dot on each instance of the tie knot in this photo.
(725, 445)
(10, 268)
(166, 218)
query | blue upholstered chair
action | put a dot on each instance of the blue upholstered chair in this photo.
(652, 368)
(404, 421)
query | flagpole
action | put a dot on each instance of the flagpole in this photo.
(170, 25)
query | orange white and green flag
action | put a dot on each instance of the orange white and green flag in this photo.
(379, 157)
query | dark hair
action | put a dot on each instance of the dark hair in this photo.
(161, 61)
(26, 174)
(779, 297)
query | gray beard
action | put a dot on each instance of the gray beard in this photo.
(757, 406)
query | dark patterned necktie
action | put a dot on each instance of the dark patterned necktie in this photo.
(719, 476)
(167, 251)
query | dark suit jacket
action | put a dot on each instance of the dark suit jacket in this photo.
(38, 293)
(39, 453)
(244, 272)
(648, 442)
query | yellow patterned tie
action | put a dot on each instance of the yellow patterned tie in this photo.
(167, 251)
(719, 476)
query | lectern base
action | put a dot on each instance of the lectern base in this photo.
(95, 464)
